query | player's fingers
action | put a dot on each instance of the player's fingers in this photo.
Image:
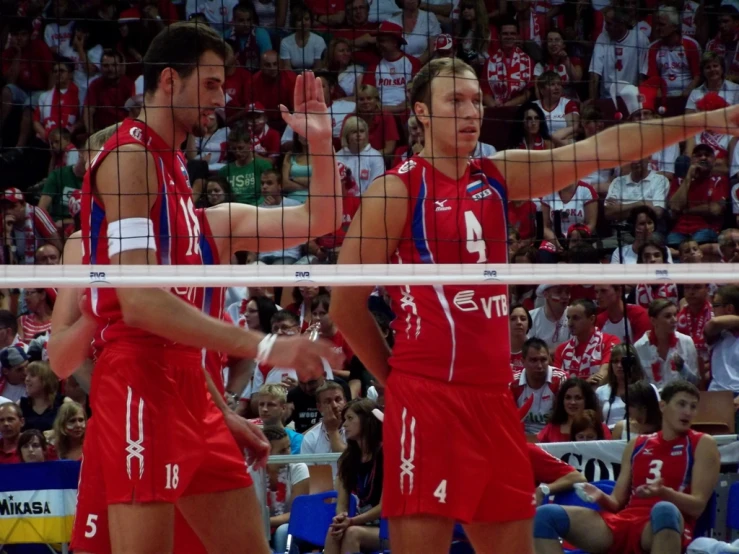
(319, 92)
(299, 96)
(309, 86)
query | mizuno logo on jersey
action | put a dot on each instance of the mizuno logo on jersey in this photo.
(441, 206)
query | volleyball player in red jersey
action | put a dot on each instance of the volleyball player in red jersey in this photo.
(454, 449)
(666, 480)
(155, 425)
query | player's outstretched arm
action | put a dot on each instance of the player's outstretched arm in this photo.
(615, 501)
(126, 182)
(72, 331)
(703, 480)
(536, 173)
(372, 238)
(247, 228)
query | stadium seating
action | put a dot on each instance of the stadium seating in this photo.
(311, 515)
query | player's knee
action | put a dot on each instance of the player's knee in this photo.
(665, 516)
(551, 522)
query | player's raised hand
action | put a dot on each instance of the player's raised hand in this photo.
(311, 118)
(304, 355)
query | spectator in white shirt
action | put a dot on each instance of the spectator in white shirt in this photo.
(642, 223)
(536, 385)
(641, 187)
(14, 361)
(722, 334)
(611, 394)
(562, 113)
(327, 435)
(665, 354)
(365, 163)
(576, 204)
(58, 31)
(620, 54)
(303, 49)
(420, 29)
(549, 323)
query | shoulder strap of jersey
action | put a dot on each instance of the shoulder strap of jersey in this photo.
(639, 445)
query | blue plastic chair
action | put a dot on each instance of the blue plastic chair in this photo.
(311, 516)
(570, 498)
(732, 509)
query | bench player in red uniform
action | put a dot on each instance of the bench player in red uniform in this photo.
(157, 439)
(454, 449)
(666, 480)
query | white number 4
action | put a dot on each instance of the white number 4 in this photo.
(475, 242)
(91, 527)
(440, 492)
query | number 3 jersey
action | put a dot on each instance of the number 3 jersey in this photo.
(177, 232)
(655, 458)
(453, 333)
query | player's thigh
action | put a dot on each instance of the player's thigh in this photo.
(421, 534)
(588, 530)
(226, 521)
(496, 538)
(141, 528)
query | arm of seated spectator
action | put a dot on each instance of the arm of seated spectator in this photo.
(520, 98)
(679, 200)
(240, 372)
(591, 215)
(594, 86)
(288, 184)
(549, 233)
(705, 209)
(616, 209)
(373, 514)
(298, 489)
(716, 325)
(704, 478)
(333, 20)
(69, 345)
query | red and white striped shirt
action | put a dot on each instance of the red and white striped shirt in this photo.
(31, 326)
(508, 76)
(583, 359)
(37, 227)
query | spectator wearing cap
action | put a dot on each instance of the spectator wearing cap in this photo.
(535, 385)
(107, 94)
(41, 403)
(549, 322)
(360, 33)
(302, 49)
(383, 129)
(264, 139)
(236, 87)
(58, 106)
(11, 424)
(339, 110)
(244, 174)
(58, 187)
(620, 54)
(507, 77)
(248, 40)
(575, 204)
(272, 87)
(365, 163)
(611, 318)
(562, 114)
(674, 57)
(39, 303)
(328, 434)
(420, 27)
(588, 352)
(726, 41)
(699, 202)
(14, 362)
(26, 62)
(26, 227)
(393, 73)
(444, 47)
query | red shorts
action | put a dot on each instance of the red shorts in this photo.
(156, 435)
(627, 527)
(454, 451)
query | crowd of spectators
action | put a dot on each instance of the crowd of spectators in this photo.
(552, 72)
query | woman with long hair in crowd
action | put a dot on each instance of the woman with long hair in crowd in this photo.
(340, 63)
(653, 251)
(360, 473)
(383, 129)
(587, 427)
(645, 416)
(643, 223)
(41, 403)
(530, 131)
(256, 313)
(611, 394)
(665, 354)
(69, 431)
(569, 68)
(520, 322)
(473, 33)
(574, 397)
(302, 302)
(32, 446)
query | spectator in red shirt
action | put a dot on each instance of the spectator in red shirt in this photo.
(507, 77)
(272, 87)
(522, 218)
(237, 88)
(699, 201)
(11, 423)
(326, 13)
(26, 61)
(574, 397)
(532, 24)
(611, 319)
(264, 139)
(360, 33)
(383, 129)
(319, 308)
(58, 106)
(107, 95)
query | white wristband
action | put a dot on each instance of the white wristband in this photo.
(264, 349)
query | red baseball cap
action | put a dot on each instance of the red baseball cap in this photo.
(255, 107)
(13, 195)
(392, 29)
(444, 42)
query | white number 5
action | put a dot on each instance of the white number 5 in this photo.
(655, 471)
(475, 242)
(91, 527)
(440, 492)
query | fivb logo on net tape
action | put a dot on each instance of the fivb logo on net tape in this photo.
(303, 277)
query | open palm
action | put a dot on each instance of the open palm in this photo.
(311, 118)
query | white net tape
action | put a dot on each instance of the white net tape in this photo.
(76, 276)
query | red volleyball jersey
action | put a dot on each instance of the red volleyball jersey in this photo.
(656, 458)
(453, 333)
(177, 232)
